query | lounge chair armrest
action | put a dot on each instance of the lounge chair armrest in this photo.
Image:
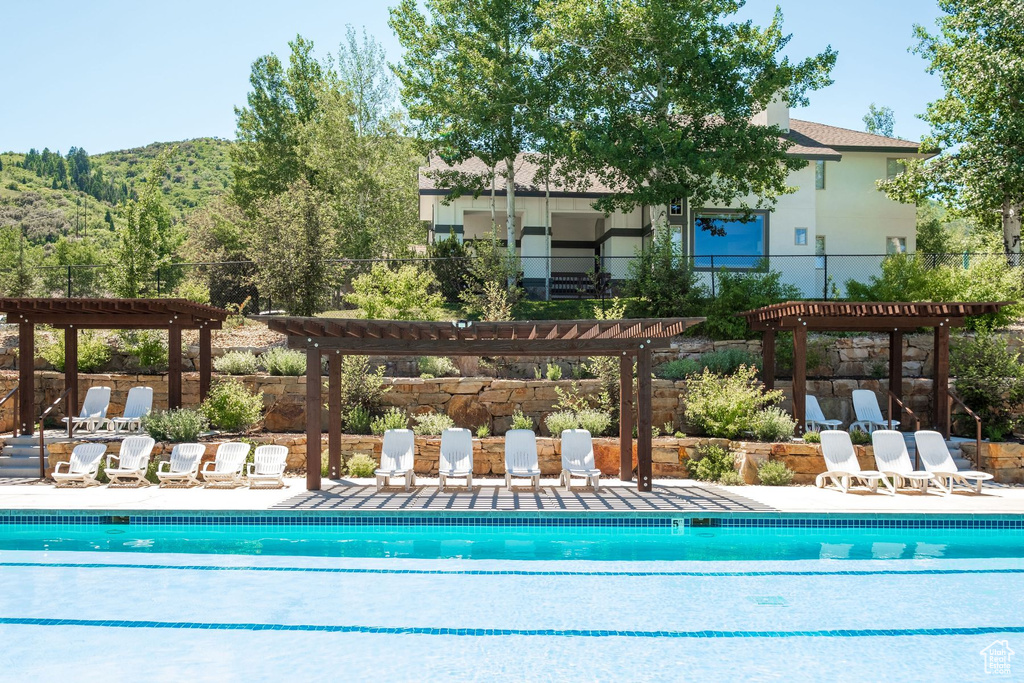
(250, 467)
(208, 465)
(110, 459)
(56, 468)
(160, 466)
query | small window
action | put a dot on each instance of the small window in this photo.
(895, 245)
(894, 167)
(800, 237)
(675, 207)
(819, 175)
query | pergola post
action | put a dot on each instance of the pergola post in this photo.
(334, 415)
(173, 367)
(768, 356)
(71, 371)
(625, 417)
(800, 376)
(314, 404)
(941, 381)
(27, 375)
(205, 361)
(896, 365)
(643, 427)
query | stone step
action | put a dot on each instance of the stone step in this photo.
(20, 458)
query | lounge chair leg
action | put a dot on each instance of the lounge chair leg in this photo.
(508, 481)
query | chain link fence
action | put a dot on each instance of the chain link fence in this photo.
(542, 278)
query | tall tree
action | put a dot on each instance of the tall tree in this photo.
(363, 72)
(660, 97)
(474, 83)
(978, 53)
(880, 121)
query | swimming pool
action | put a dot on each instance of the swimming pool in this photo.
(508, 598)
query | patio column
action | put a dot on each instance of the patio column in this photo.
(768, 359)
(173, 367)
(205, 361)
(941, 381)
(643, 427)
(71, 372)
(625, 417)
(334, 415)
(314, 405)
(896, 366)
(27, 375)
(800, 376)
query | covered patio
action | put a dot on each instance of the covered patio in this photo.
(629, 340)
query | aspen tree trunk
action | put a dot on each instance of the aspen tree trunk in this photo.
(510, 217)
(1011, 227)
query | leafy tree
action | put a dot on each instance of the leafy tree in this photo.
(216, 234)
(408, 293)
(978, 121)
(364, 75)
(743, 292)
(74, 255)
(879, 121)
(450, 259)
(18, 263)
(662, 283)
(659, 99)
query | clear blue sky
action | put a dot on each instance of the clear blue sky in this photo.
(107, 75)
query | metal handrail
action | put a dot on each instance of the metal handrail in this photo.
(977, 422)
(42, 432)
(12, 393)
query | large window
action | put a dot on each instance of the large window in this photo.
(819, 175)
(733, 241)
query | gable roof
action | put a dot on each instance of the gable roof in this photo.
(811, 141)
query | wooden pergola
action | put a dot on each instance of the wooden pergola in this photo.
(801, 317)
(73, 315)
(629, 340)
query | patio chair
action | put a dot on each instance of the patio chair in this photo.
(132, 462)
(841, 466)
(578, 459)
(931, 447)
(521, 457)
(397, 458)
(227, 465)
(183, 468)
(82, 467)
(456, 459)
(815, 419)
(869, 415)
(267, 466)
(136, 406)
(893, 460)
(94, 410)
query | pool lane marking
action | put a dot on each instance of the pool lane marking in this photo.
(490, 632)
(508, 572)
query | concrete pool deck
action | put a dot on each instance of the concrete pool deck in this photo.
(489, 495)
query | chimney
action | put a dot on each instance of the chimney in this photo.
(776, 114)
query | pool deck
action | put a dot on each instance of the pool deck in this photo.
(489, 495)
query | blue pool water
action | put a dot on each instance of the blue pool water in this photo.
(399, 601)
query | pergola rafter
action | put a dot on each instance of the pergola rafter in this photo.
(627, 339)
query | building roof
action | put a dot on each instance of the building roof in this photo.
(812, 141)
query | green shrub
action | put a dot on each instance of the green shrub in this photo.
(731, 478)
(408, 293)
(181, 425)
(678, 369)
(449, 258)
(559, 421)
(662, 282)
(357, 420)
(725, 406)
(361, 466)
(773, 425)
(283, 362)
(554, 372)
(812, 437)
(743, 291)
(237, 363)
(989, 378)
(483, 431)
(728, 361)
(361, 386)
(520, 421)
(393, 418)
(437, 366)
(774, 473)
(93, 351)
(596, 422)
(859, 438)
(147, 346)
(232, 407)
(714, 462)
(432, 424)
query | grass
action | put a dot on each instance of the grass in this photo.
(560, 309)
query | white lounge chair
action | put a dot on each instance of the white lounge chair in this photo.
(521, 457)
(578, 459)
(94, 410)
(183, 468)
(893, 460)
(136, 406)
(267, 466)
(227, 465)
(132, 462)
(815, 419)
(931, 447)
(397, 458)
(841, 466)
(869, 415)
(456, 460)
(82, 467)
